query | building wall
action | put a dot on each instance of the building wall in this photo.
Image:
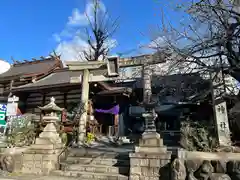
(171, 67)
(33, 101)
(37, 99)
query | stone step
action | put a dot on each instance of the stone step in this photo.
(89, 175)
(93, 153)
(97, 161)
(96, 168)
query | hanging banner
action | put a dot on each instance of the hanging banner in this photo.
(3, 109)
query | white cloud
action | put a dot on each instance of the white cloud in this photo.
(77, 18)
(159, 42)
(57, 37)
(69, 50)
(71, 40)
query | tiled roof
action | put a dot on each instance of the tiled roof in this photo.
(57, 78)
(30, 68)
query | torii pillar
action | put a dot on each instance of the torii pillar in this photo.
(85, 67)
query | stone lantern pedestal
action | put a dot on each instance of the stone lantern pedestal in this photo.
(150, 155)
(42, 156)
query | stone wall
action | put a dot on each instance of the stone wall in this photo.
(184, 165)
(149, 166)
(191, 155)
(12, 159)
(39, 163)
(209, 165)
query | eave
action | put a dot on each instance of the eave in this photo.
(116, 91)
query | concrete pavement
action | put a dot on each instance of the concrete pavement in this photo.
(32, 177)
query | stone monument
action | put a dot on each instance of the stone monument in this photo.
(42, 156)
(150, 155)
(220, 109)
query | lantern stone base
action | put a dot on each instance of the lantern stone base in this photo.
(150, 157)
(151, 143)
(42, 157)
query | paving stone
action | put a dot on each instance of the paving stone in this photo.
(98, 161)
(97, 169)
(31, 177)
(88, 175)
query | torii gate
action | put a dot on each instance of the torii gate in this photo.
(112, 64)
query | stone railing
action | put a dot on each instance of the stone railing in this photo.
(193, 165)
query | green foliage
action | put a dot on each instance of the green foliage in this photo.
(90, 137)
(21, 131)
(64, 138)
(198, 136)
(72, 110)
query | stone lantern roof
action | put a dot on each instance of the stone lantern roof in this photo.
(51, 107)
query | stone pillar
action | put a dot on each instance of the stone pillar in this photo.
(42, 156)
(149, 158)
(85, 86)
(147, 83)
(220, 109)
(222, 124)
(84, 99)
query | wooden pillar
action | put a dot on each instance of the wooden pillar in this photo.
(65, 100)
(10, 88)
(44, 98)
(84, 99)
(116, 124)
(116, 120)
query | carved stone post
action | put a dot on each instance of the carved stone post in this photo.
(84, 99)
(220, 109)
(42, 157)
(149, 114)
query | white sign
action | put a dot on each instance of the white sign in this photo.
(224, 135)
(76, 79)
(12, 109)
(13, 99)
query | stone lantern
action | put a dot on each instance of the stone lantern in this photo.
(50, 111)
(42, 156)
(50, 118)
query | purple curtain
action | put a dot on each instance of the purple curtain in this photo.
(114, 110)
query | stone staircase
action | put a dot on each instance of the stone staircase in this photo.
(95, 164)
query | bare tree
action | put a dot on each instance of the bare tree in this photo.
(209, 41)
(211, 37)
(98, 33)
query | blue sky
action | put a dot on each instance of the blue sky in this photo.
(30, 29)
